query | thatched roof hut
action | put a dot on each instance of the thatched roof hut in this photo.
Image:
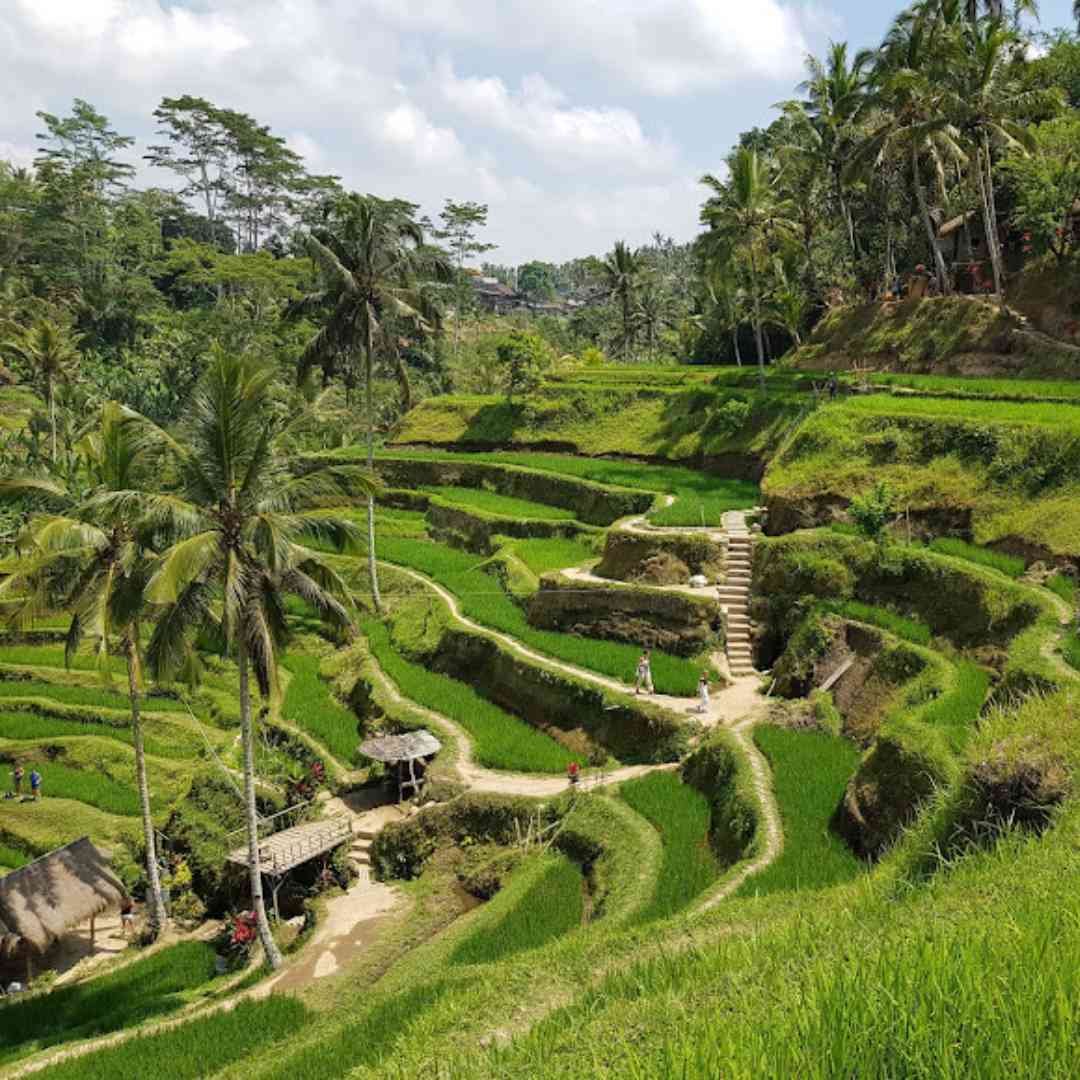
(43, 900)
(403, 751)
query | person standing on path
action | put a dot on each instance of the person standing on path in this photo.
(703, 693)
(17, 779)
(35, 784)
(644, 673)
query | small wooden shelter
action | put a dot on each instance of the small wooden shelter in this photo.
(403, 752)
(43, 900)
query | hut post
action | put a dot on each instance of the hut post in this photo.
(93, 929)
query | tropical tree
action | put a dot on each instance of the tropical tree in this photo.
(911, 98)
(374, 265)
(836, 96)
(49, 354)
(239, 517)
(748, 210)
(988, 102)
(78, 558)
(657, 311)
(788, 306)
(725, 297)
(621, 269)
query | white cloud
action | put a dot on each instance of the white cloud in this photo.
(540, 116)
(664, 47)
(356, 88)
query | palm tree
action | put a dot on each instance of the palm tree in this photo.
(836, 98)
(374, 265)
(789, 305)
(238, 517)
(50, 354)
(748, 208)
(723, 293)
(74, 560)
(620, 269)
(909, 94)
(656, 312)
(987, 98)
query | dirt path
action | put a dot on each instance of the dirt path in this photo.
(770, 817)
(724, 706)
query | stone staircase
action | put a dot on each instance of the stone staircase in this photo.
(360, 851)
(735, 594)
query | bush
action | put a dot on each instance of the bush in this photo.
(402, 847)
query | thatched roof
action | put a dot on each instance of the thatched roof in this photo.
(407, 747)
(44, 899)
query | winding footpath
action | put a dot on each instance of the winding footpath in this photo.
(738, 707)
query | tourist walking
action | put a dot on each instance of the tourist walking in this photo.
(17, 779)
(703, 693)
(127, 917)
(35, 784)
(644, 673)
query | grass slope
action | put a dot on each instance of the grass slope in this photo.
(543, 902)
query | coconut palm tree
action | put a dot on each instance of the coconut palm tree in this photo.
(910, 96)
(836, 97)
(49, 353)
(986, 101)
(656, 312)
(748, 209)
(621, 269)
(75, 559)
(374, 266)
(239, 518)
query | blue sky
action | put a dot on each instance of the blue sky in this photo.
(578, 122)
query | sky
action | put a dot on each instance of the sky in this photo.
(578, 122)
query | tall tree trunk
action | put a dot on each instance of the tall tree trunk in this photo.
(51, 394)
(251, 813)
(986, 191)
(155, 902)
(369, 409)
(931, 236)
(757, 318)
(735, 340)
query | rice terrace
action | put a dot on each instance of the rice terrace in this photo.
(429, 649)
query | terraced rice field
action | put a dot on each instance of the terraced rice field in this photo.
(810, 772)
(499, 740)
(544, 902)
(681, 815)
(482, 599)
(700, 498)
(491, 502)
(149, 987)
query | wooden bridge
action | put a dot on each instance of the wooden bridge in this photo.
(285, 850)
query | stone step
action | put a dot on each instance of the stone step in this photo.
(364, 834)
(738, 634)
(361, 857)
